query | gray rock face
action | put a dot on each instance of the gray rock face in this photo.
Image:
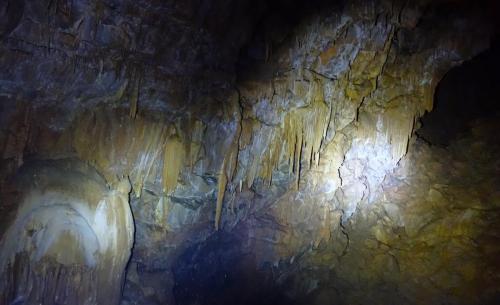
(278, 134)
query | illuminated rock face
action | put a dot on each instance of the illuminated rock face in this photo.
(291, 155)
(70, 240)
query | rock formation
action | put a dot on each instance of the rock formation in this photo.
(70, 239)
(278, 140)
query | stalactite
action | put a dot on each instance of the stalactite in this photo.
(230, 160)
(194, 134)
(120, 146)
(398, 128)
(222, 183)
(227, 173)
(148, 150)
(302, 134)
(173, 162)
(271, 156)
(298, 158)
(252, 171)
(118, 95)
(134, 98)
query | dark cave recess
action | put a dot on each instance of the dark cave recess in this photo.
(466, 93)
(221, 271)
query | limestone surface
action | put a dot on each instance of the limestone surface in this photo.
(249, 140)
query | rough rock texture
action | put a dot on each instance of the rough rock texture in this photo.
(289, 158)
(431, 237)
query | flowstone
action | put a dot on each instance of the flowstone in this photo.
(70, 239)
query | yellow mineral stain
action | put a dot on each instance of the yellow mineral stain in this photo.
(173, 162)
(328, 54)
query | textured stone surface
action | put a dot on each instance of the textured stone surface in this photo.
(285, 139)
(425, 237)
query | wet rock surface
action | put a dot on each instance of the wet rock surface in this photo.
(270, 148)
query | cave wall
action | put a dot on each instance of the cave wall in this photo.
(291, 151)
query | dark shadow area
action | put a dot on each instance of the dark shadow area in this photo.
(466, 93)
(272, 30)
(221, 271)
